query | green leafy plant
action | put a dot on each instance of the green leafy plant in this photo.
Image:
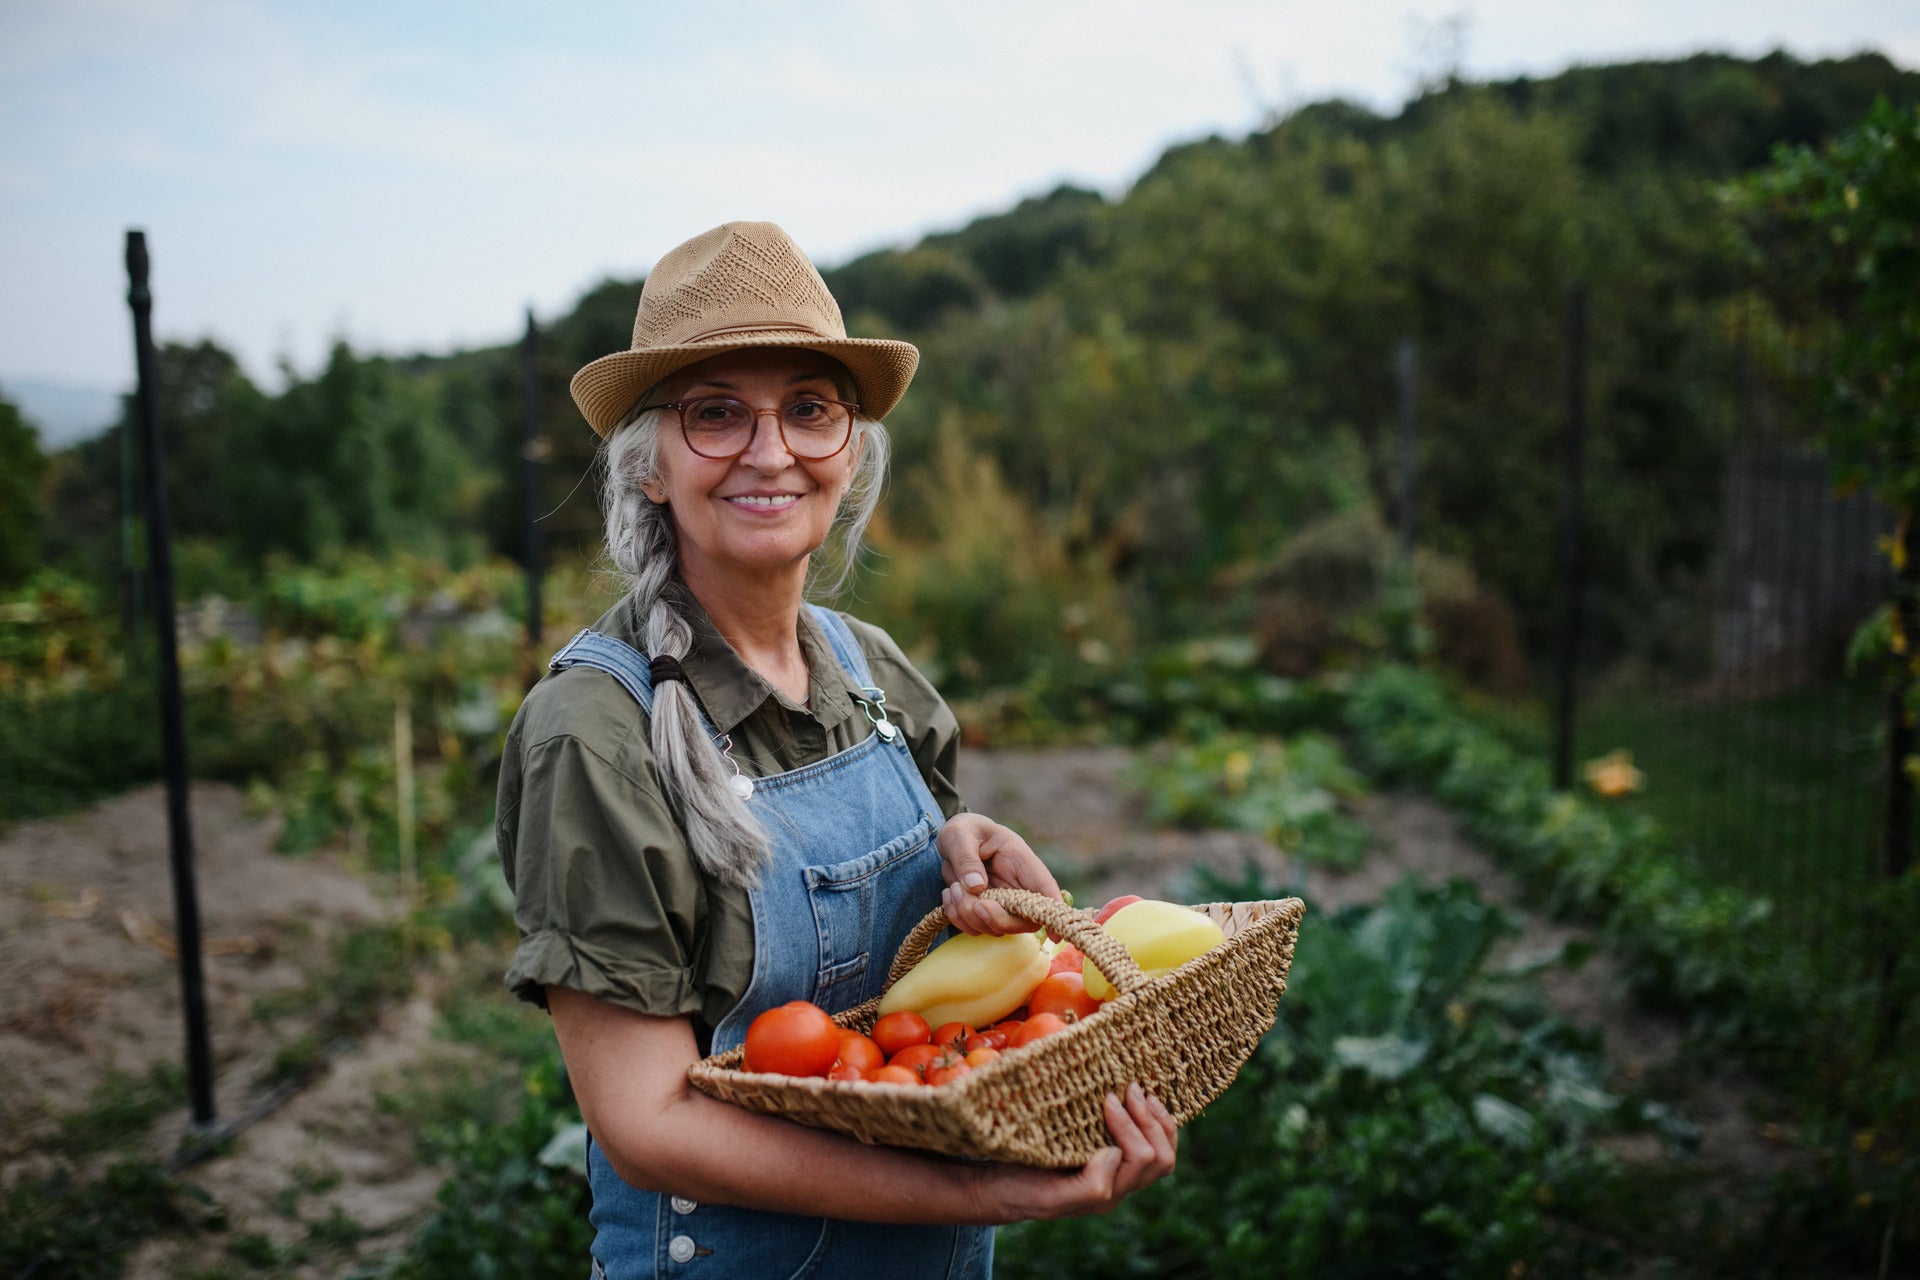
(1413, 1112)
(1705, 950)
(84, 1226)
(502, 1211)
(1293, 791)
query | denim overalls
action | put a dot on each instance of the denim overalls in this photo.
(854, 868)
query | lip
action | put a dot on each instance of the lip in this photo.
(771, 503)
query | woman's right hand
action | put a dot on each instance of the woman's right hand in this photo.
(1146, 1143)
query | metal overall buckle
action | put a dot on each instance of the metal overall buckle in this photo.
(874, 703)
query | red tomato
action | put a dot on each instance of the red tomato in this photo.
(915, 1057)
(891, 1074)
(1065, 995)
(952, 1033)
(796, 1039)
(946, 1069)
(981, 1057)
(858, 1051)
(1001, 1034)
(982, 1040)
(846, 1071)
(1106, 913)
(1067, 959)
(1040, 1024)
(898, 1030)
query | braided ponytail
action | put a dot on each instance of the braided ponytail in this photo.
(726, 838)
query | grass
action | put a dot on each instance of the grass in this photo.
(121, 1109)
(1779, 795)
(82, 1228)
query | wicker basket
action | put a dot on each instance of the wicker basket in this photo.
(1183, 1037)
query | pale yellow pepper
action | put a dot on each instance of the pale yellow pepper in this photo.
(975, 980)
(1160, 936)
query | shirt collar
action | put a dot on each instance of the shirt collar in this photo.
(730, 690)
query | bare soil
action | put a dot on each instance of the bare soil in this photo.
(86, 917)
(1078, 810)
(86, 933)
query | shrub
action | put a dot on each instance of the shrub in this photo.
(1411, 1113)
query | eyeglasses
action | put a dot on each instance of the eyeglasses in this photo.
(721, 428)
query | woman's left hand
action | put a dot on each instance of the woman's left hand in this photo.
(978, 853)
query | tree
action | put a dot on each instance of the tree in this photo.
(21, 467)
(1839, 230)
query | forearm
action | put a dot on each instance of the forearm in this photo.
(711, 1151)
(629, 1072)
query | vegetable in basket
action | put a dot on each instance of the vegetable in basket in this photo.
(1160, 936)
(975, 979)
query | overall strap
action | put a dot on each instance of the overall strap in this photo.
(631, 668)
(845, 647)
(872, 698)
(615, 657)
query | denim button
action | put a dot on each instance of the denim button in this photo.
(680, 1248)
(683, 1205)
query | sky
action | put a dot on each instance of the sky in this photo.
(414, 176)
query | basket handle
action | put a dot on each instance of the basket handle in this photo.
(1077, 927)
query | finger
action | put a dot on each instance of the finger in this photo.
(1126, 1131)
(963, 910)
(995, 918)
(962, 859)
(980, 915)
(1169, 1125)
(1141, 1165)
(1014, 865)
(1147, 1114)
(1095, 1191)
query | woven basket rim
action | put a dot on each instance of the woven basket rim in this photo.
(1040, 1105)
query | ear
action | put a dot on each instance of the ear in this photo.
(655, 491)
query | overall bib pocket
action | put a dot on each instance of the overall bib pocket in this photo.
(844, 897)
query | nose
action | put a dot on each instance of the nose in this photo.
(767, 450)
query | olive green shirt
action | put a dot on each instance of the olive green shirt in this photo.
(607, 895)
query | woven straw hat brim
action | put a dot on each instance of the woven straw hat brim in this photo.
(606, 389)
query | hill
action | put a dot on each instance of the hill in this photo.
(1126, 408)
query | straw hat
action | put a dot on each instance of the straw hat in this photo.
(744, 284)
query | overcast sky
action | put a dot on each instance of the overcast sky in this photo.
(410, 176)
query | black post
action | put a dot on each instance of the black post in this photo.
(533, 450)
(186, 903)
(1406, 369)
(1573, 448)
(131, 605)
(1897, 847)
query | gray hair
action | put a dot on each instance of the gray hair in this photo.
(727, 841)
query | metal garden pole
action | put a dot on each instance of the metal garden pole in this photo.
(186, 903)
(1573, 450)
(1897, 850)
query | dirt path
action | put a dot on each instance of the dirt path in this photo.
(1079, 811)
(330, 1179)
(93, 998)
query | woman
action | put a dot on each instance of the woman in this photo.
(724, 799)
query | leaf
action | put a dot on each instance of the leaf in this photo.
(1503, 1121)
(566, 1149)
(1384, 1058)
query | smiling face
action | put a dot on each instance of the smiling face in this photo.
(760, 515)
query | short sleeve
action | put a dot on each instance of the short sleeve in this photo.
(606, 896)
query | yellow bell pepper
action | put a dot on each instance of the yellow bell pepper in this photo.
(975, 980)
(1160, 936)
